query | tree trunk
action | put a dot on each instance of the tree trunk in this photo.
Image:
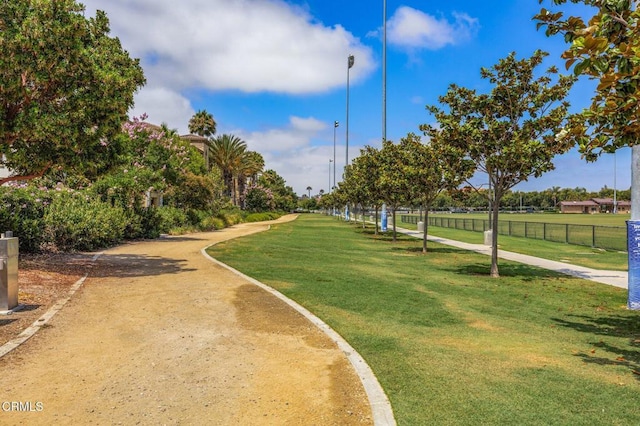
(393, 212)
(234, 184)
(376, 231)
(494, 236)
(426, 225)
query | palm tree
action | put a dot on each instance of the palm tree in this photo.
(252, 164)
(555, 190)
(202, 123)
(228, 152)
(309, 189)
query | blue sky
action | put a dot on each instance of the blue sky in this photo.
(274, 72)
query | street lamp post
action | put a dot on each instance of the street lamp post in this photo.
(335, 126)
(384, 70)
(330, 161)
(350, 62)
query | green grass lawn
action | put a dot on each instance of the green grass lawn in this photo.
(449, 344)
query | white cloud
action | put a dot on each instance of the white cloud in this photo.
(410, 28)
(246, 45)
(293, 152)
(309, 166)
(297, 134)
(163, 105)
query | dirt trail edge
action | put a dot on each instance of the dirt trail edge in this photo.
(159, 334)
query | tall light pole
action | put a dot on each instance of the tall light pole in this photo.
(330, 161)
(383, 215)
(350, 62)
(335, 126)
(384, 70)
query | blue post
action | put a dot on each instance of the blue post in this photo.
(383, 218)
(633, 245)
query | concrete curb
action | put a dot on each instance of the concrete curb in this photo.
(46, 317)
(380, 406)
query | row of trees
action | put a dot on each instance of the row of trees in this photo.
(507, 135)
(513, 132)
(467, 197)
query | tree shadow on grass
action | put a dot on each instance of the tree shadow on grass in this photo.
(513, 270)
(612, 326)
(430, 250)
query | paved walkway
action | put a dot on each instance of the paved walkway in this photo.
(160, 334)
(614, 278)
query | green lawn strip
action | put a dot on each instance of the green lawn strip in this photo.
(569, 253)
(449, 344)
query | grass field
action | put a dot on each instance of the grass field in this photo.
(449, 344)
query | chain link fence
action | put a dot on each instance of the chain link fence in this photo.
(604, 237)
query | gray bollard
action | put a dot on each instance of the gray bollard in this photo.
(8, 272)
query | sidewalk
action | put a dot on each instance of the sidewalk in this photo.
(613, 278)
(160, 334)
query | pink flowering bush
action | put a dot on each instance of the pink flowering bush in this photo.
(258, 199)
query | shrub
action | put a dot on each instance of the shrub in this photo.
(231, 216)
(261, 217)
(259, 199)
(22, 211)
(217, 223)
(172, 218)
(75, 222)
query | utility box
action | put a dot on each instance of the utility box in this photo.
(420, 226)
(488, 238)
(8, 273)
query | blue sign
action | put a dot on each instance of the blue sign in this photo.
(346, 213)
(633, 245)
(383, 218)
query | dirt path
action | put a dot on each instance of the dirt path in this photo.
(160, 335)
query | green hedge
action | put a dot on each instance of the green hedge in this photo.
(76, 223)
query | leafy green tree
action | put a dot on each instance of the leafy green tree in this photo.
(259, 199)
(430, 168)
(354, 185)
(368, 168)
(392, 183)
(605, 48)
(510, 133)
(284, 197)
(65, 90)
(203, 124)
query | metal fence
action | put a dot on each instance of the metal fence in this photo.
(604, 237)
